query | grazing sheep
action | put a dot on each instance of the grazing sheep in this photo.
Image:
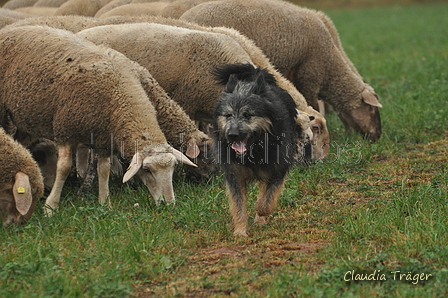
(12, 14)
(81, 7)
(5, 21)
(13, 4)
(21, 183)
(300, 45)
(86, 90)
(181, 60)
(173, 121)
(111, 5)
(72, 23)
(135, 9)
(49, 3)
(176, 8)
(37, 11)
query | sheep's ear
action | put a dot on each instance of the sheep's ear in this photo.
(192, 149)
(371, 98)
(133, 168)
(182, 158)
(22, 193)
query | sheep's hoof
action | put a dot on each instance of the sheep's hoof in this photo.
(240, 233)
(49, 210)
(260, 220)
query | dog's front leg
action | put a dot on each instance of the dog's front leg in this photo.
(236, 189)
(267, 200)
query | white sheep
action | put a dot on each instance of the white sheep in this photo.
(12, 14)
(299, 44)
(81, 7)
(60, 87)
(37, 11)
(21, 183)
(49, 3)
(181, 61)
(135, 9)
(176, 8)
(13, 4)
(72, 23)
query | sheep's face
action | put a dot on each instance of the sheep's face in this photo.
(157, 174)
(321, 138)
(366, 117)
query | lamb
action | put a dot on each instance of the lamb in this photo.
(85, 90)
(21, 183)
(81, 7)
(300, 45)
(218, 49)
(150, 8)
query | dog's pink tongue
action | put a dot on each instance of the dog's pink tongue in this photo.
(239, 147)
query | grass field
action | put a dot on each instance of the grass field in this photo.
(376, 211)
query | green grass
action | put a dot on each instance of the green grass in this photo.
(370, 207)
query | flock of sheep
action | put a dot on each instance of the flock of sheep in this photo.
(134, 78)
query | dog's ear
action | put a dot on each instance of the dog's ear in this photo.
(231, 83)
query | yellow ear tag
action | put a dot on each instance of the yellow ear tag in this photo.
(130, 166)
(21, 189)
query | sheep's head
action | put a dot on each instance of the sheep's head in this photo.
(155, 167)
(321, 137)
(365, 119)
(17, 200)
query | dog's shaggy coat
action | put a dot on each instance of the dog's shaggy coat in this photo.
(254, 129)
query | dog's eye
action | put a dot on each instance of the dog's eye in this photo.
(228, 115)
(247, 115)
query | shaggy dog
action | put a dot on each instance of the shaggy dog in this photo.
(254, 138)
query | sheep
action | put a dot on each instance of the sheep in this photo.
(38, 11)
(150, 8)
(72, 23)
(12, 14)
(5, 21)
(300, 45)
(176, 8)
(60, 87)
(81, 7)
(13, 4)
(111, 5)
(21, 183)
(221, 46)
(194, 143)
(49, 3)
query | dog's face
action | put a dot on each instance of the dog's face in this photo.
(242, 116)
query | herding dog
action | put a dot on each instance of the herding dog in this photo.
(254, 138)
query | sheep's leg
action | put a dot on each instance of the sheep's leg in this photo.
(236, 188)
(267, 200)
(103, 179)
(63, 167)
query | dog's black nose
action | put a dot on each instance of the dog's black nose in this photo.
(233, 134)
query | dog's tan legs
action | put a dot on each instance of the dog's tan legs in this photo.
(238, 206)
(267, 200)
(63, 167)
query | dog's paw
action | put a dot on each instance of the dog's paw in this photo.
(260, 220)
